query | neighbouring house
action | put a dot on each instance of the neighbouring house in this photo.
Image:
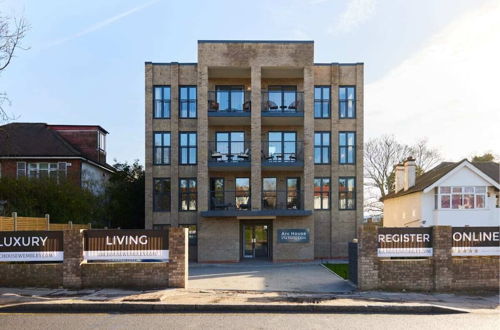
(38, 150)
(451, 194)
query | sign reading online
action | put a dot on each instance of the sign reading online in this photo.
(31, 246)
(293, 235)
(404, 242)
(475, 241)
(126, 245)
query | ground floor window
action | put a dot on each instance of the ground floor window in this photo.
(192, 234)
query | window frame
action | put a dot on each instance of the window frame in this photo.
(189, 101)
(188, 147)
(321, 146)
(354, 198)
(322, 193)
(163, 99)
(346, 148)
(347, 100)
(189, 193)
(162, 147)
(322, 100)
(17, 170)
(155, 208)
(462, 193)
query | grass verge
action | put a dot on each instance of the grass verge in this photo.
(341, 270)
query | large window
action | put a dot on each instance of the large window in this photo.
(161, 148)
(42, 170)
(322, 147)
(347, 102)
(21, 169)
(230, 146)
(188, 148)
(462, 197)
(282, 146)
(321, 101)
(187, 101)
(242, 193)
(161, 195)
(188, 192)
(347, 193)
(321, 193)
(282, 98)
(269, 193)
(293, 196)
(230, 98)
(161, 102)
(347, 147)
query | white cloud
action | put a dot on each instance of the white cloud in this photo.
(447, 92)
(101, 24)
(356, 13)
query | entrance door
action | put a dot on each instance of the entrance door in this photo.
(256, 241)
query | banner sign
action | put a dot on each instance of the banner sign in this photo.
(475, 241)
(293, 235)
(404, 242)
(126, 245)
(31, 246)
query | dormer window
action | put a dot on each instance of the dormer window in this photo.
(101, 141)
(462, 198)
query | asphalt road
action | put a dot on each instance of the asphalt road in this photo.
(248, 321)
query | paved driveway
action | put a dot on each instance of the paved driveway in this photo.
(292, 277)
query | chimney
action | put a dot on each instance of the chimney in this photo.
(410, 173)
(399, 177)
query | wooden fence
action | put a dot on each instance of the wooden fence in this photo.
(15, 223)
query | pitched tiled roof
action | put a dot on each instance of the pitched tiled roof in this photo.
(428, 178)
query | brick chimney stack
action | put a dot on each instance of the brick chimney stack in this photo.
(410, 173)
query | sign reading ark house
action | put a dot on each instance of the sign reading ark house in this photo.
(404, 242)
(293, 235)
(126, 245)
(31, 246)
(475, 241)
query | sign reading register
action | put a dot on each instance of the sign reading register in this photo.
(293, 235)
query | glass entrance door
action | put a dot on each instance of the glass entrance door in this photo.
(256, 241)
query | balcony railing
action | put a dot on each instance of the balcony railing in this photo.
(282, 151)
(228, 152)
(229, 200)
(229, 101)
(282, 200)
(283, 102)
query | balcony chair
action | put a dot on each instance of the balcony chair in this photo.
(217, 155)
(245, 155)
(294, 106)
(270, 105)
(264, 157)
(218, 205)
(213, 106)
(247, 105)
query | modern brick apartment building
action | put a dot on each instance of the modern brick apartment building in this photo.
(257, 149)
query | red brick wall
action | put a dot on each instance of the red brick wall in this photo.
(85, 141)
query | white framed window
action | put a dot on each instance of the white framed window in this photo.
(46, 170)
(461, 198)
(21, 169)
(101, 141)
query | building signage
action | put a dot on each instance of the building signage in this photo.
(126, 245)
(293, 235)
(475, 241)
(404, 242)
(31, 246)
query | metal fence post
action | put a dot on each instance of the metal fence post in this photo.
(47, 217)
(14, 216)
(70, 223)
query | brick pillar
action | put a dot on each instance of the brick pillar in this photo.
(73, 257)
(256, 139)
(441, 241)
(367, 258)
(178, 255)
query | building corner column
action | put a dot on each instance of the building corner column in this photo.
(256, 143)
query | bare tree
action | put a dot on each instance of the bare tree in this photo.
(380, 156)
(12, 32)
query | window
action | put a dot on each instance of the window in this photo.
(347, 193)
(321, 193)
(21, 169)
(230, 98)
(188, 148)
(347, 102)
(347, 147)
(161, 195)
(187, 101)
(462, 197)
(192, 234)
(242, 193)
(101, 141)
(161, 102)
(188, 194)
(282, 146)
(283, 99)
(322, 147)
(293, 193)
(161, 148)
(217, 194)
(230, 145)
(321, 101)
(269, 193)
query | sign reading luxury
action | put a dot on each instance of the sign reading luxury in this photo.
(31, 246)
(475, 241)
(404, 242)
(293, 235)
(126, 245)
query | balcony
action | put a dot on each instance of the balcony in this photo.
(229, 107)
(283, 155)
(282, 200)
(229, 155)
(282, 107)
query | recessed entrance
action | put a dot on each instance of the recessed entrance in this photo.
(256, 240)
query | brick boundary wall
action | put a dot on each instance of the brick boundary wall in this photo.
(75, 273)
(442, 272)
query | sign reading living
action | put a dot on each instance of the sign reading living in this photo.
(404, 242)
(126, 245)
(31, 246)
(475, 241)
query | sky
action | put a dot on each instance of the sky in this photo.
(430, 66)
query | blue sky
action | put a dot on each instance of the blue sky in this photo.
(86, 61)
